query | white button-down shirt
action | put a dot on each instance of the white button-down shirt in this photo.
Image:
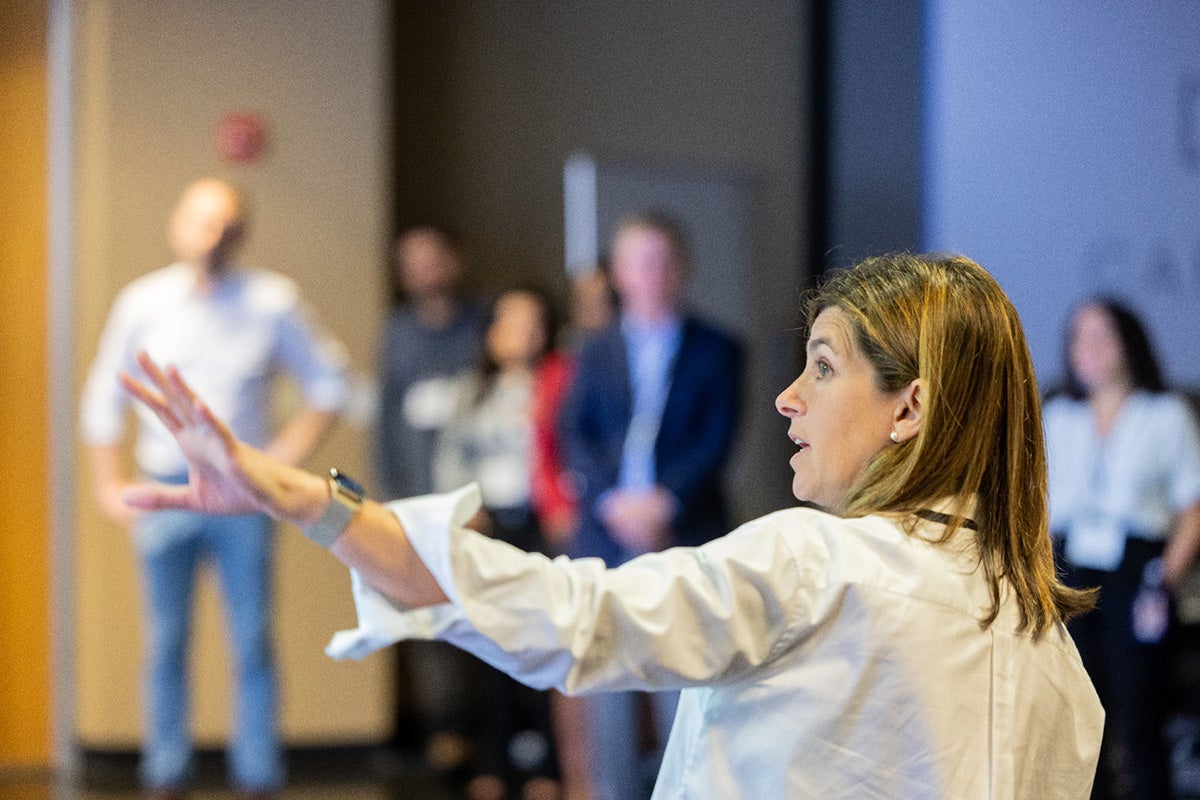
(230, 343)
(819, 657)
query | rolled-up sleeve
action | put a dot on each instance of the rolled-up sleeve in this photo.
(683, 617)
(103, 404)
(317, 359)
(1185, 476)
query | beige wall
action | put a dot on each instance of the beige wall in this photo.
(153, 78)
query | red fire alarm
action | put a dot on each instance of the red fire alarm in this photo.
(241, 138)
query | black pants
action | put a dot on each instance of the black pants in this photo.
(1130, 676)
(509, 707)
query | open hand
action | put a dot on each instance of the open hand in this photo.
(225, 475)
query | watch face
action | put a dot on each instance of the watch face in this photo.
(348, 484)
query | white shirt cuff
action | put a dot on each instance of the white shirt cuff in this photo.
(428, 522)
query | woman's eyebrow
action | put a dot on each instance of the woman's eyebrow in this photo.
(813, 344)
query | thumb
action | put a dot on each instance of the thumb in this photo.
(156, 497)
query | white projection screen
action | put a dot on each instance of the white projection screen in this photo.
(1062, 152)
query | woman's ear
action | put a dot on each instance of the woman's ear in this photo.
(910, 410)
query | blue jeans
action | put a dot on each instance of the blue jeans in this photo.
(172, 545)
(620, 771)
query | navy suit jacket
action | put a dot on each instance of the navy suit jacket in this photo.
(694, 438)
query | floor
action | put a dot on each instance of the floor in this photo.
(380, 774)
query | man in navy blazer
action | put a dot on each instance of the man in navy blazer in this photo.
(646, 430)
(690, 450)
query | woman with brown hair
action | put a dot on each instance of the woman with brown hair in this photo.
(904, 638)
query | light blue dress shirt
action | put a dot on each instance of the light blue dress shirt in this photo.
(230, 342)
(651, 351)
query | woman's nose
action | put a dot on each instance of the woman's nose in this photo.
(788, 402)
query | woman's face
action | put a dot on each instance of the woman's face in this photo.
(517, 334)
(839, 417)
(1095, 349)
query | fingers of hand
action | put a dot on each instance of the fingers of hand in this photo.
(169, 409)
(209, 418)
(193, 410)
(183, 400)
(152, 370)
(154, 497)
(151, 399)
(177, 400)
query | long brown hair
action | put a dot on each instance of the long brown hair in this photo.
(945, 320)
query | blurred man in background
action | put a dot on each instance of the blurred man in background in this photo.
(646, 429)
(231, 330)
(432, 334)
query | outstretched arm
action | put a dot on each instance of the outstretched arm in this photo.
(227, 476)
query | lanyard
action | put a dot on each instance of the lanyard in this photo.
(945, 519)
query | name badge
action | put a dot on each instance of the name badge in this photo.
(429, 404)
(1096, 544)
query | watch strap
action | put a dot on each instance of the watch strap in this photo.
(344, 503)
(330, 525)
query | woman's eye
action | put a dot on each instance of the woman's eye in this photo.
(823, 369)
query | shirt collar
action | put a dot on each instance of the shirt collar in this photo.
(667, 326)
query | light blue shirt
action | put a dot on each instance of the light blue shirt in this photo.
(651, 351)
(229, 343)
(1132, 481)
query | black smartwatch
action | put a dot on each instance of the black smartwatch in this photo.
(346, 499)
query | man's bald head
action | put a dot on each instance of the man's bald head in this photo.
(207, 224)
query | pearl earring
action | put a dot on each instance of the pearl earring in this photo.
(895, 437)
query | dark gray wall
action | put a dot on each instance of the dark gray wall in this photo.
(873, 129)
(492, 97)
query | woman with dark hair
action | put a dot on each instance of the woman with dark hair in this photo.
(490, 438)
(1140, 361)
(1124, 459)
(902, 639)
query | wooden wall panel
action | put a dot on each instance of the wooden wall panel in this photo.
(24, 453)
